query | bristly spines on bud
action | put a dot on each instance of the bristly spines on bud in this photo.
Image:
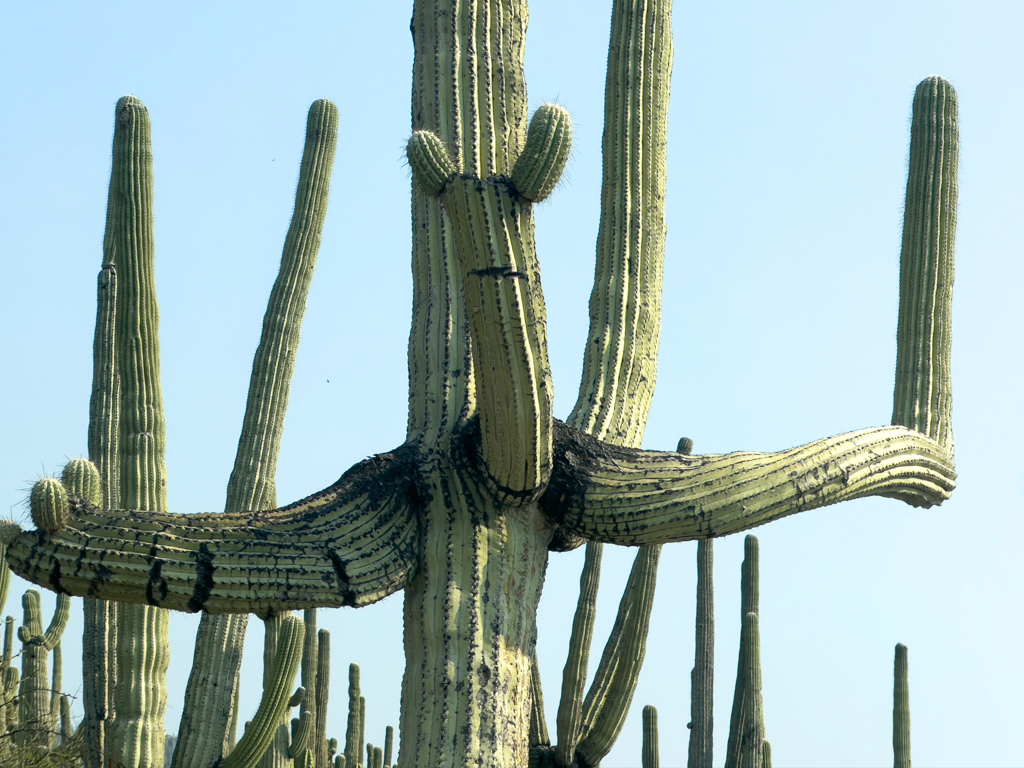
(48, 503)
(430, 161)
(82, 479)
(548, 144)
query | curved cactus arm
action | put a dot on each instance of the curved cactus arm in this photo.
(620, 358)
(351, 544)
(260, 731)
(58, 623)
(624, 496)
(302, 730)
(611, 693)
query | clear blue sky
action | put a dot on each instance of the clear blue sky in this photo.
(788, 145)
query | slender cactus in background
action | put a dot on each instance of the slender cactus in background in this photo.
(649, 756)
(36, 726)
(462, 516)
(901, 709)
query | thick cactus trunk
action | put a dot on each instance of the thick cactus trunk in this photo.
(470, 631)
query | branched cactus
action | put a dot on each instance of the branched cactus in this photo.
(463, 515)
(37, 726)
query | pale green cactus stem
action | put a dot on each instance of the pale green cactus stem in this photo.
(389, 743)
(353, 742)
(308, 676)
(219, 640)
(276, 755)
(67, 728)
(302, 732)
(752, 718)
(538, 723)
(574, 676)
(901, 709)
(923, 396)
(548, 144)
(767, 759)
(649, 755)
(607, 702)
(362, 721)
(5, 575)
(378, 757)
(322, 693)
(49, 504)
(34, 709)
(339, 761)
(56, 686)
(276, 697)
(9, 679)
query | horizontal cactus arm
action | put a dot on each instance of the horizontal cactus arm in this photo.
(633, 497)
(351, 544)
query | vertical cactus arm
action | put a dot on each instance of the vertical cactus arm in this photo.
(322, 693)
(351, 544)
(308, 668)
(353, 749)
(218, 652)
(923, 395)
(611, 693)
(751, 749)
(901, 709)
(750, 598)
(620, 360)
(67, 728)
(649, 756)
(701, 747)
(362, 722)
(574, 676)
(34, 690)
(389, 744)
(5, 576)
(626, 496)
(8, 655)
(538, 723)
(58, 623)
(57, 683)
(274, 703)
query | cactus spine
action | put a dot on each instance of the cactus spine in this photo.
(901, 709)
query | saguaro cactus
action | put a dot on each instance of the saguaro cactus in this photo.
(901, 709)
(462, 516)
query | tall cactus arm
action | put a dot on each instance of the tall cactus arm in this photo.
(351, 544)
(620, 360)
(624, 496)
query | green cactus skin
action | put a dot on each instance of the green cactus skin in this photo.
(684, 446)
(607, 702)
(362, 721)
(5, 576)
(746, 726)
(49, 505)
(649, 755)
(276, 697)
(323, 689)
(923, 397)
(276, 755)
(431, 164)
(302, 733)
(378, 757)
(389, 743)
(353, 742)
(901, 709)
(339, 761)
(767, 758)
(56, 686)
(574, 675)
(548, 144)
(496, 482)
(538, 723)
(702, 685)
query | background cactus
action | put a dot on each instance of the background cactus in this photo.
(707, 448)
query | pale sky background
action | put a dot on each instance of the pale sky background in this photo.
(788, 145)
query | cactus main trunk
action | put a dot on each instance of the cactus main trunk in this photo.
(470, 630)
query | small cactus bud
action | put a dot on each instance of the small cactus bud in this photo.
(685, 446)
(548, 142)
(49, 505)
(9, 531)
(430, 161)
(82, 479)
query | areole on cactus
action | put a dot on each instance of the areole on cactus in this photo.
(463, 514)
